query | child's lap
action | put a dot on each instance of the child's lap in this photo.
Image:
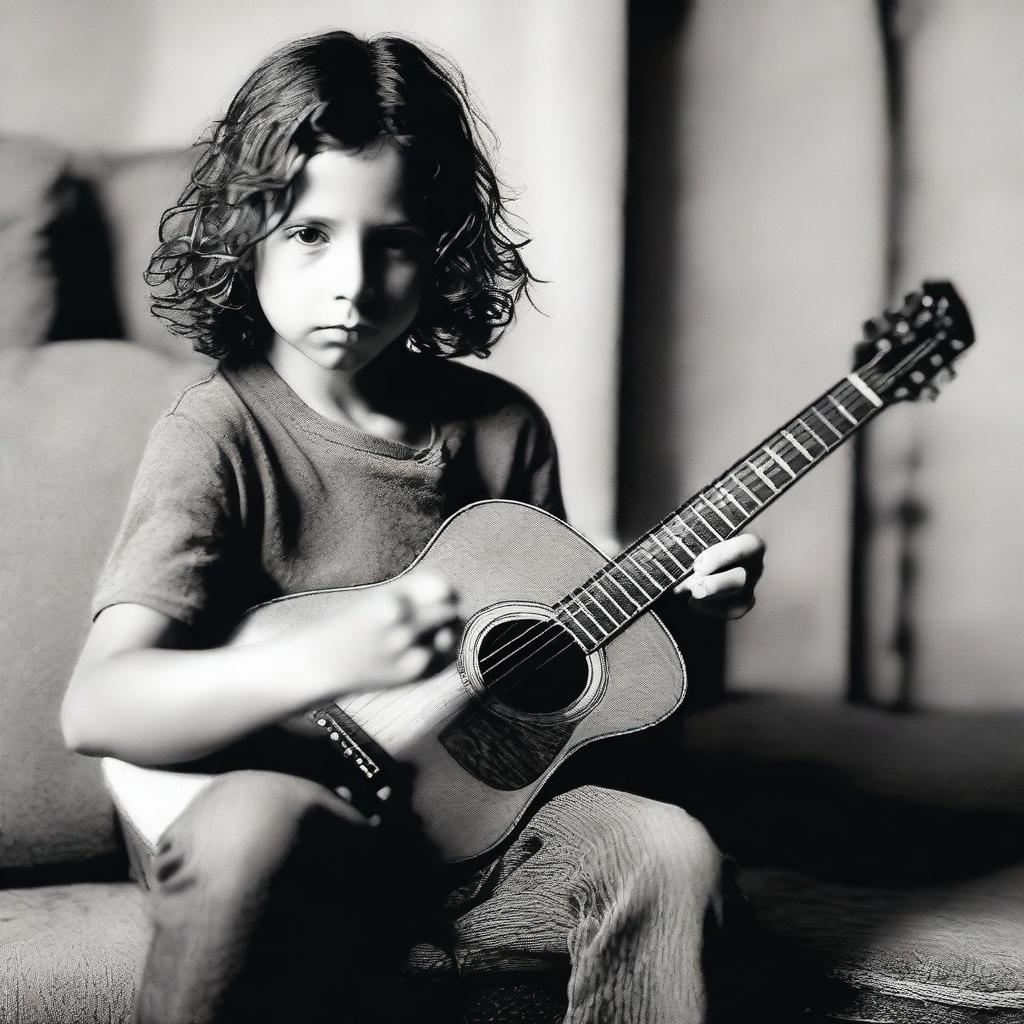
(575, 853)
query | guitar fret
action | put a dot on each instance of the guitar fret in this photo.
(842, 409)
(706, 523)
(579, 601)
(865, 390)
(682, 568)
(775, 489)
(595, 601)
(813, 434)
(629, 597)
(728, 494)
(798, 446)
(784, 465)
(579, 624)
(827, 423)
(718, 512)
(636, 583)
(625, 614)
(703, 546)
(644, 571)
(753, 497)
(679, 540)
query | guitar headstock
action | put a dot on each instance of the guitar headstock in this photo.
(909, 352)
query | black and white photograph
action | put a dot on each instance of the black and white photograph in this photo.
(414, 610)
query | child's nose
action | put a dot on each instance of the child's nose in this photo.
(348, 272)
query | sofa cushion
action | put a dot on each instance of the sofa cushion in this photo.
(31, 172)
(914, 955)
(855, 793)
(133, 192)
(74, 418)
(71, 954)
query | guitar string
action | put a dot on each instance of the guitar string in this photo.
(379, 703)
(556, 630)
(844, 390)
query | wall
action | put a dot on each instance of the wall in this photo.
(141, 74)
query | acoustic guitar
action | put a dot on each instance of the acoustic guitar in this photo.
(560, 646)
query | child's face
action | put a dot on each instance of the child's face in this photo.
(341, 276)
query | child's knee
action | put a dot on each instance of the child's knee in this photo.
(248, 826)
(634, 836)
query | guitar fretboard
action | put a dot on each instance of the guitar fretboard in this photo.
(662, 558)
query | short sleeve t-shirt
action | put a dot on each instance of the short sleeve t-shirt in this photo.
(245, 493)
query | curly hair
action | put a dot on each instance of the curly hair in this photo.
(336, 90)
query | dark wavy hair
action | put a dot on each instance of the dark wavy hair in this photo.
(337, 90)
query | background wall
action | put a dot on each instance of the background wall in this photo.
(129, 75)
(788, 174)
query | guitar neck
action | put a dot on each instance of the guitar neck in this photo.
(663, 557)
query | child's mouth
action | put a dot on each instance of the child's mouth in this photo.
(337, 332)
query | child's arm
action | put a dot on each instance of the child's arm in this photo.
(138, 693)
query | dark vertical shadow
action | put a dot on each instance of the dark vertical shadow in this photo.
(107, 95)
(649, 476)
(910, 516)
(860, 684)
(83, 263)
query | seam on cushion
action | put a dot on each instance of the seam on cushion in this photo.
(999, 998)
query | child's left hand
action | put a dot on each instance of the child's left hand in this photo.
(724, 577)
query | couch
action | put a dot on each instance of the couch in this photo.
(882, 853)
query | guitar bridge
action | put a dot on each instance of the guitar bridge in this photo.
(348, 739)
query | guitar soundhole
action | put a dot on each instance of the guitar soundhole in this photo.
(532, 666)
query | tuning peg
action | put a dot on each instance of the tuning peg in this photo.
(930, 391)
(874, 327)
(944, 376)
(910, 301)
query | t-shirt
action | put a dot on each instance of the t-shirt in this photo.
(245, 493)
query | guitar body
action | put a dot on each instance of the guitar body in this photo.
(481, 742)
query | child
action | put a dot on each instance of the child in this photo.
(341, 232)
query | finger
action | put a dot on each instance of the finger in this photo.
(425, 586)
(348, 810)
(747, 548)
(419, 607)
(444, 640)
(411, 664)
(725, 584)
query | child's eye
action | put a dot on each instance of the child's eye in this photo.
(306, 236)
(400, 241)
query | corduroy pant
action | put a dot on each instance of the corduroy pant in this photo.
(271, 902)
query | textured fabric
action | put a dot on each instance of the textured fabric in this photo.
(71, 954)
(623, 888)
(30, 172)
(73, 419)
(959, 946)
(245, 493)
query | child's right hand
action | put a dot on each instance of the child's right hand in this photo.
(389, 639)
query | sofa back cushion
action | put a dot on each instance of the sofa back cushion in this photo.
(31, 175)
(74, 418)
(133, 193)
